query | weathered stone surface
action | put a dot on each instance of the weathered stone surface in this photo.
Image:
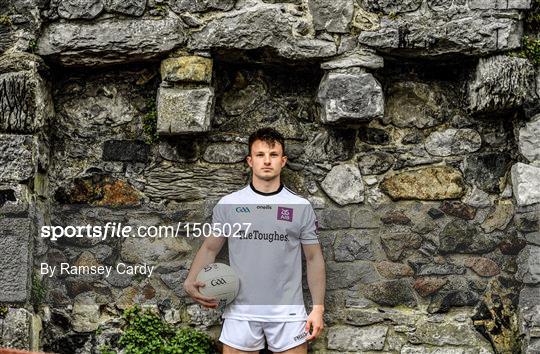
(500, 4)
(374, 136)
(365, 218)
(350, 339)
(501, 82)
(225, 152)
(426, 349)
(353, 245)
(350, 98)
(395, 244)
(483, 266)
(169, 181)
(526, 184)
(333, 218)
(175, 281)
(344, 185)
(187, 69)
(445, 33)
(14, 200)
(375, 163)
(180, 6)
(330, 145)
(499, 217)
(390, 292)
(16, 157)
(25, 102)
(388, 7)
(85, 313)
(462, 237)
(15, 259)
(261, 26)
(126, 7)
(426, 286)
(343, 275)
(486, 171)
(17, 329)
(153, 250)
(393, 270)
(477, 198)
(331, 16)
(453, 142)
(529, 141)
(109, 41)
(183, 111)
(529, 265)
(447, 333)
(75, 9)
(458, 209)
(125, 150)
(364, 59)
(423, 269)
(98, 190)
(417, 104)
(430, 183)
(395, 217)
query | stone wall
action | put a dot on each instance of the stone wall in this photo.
(412, 127)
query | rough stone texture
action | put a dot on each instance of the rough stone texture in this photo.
(153, 250)
(445, 32)
(225, 152)
(109, 40)
(259, 27)
(187, 69)
(180, 6)
(501, 82)
(375, 163)
(462, 237)
(451, 333)
(430, 183)
(17, 328)
(483, 266)
(75, 9)
(529, 265)
(390, 292)
(350, 97)
(331, 16)
(458, 209)
(330, 145)
(189, 183)
(357, 339)
(499, 217)
(344, 185)
(125, 150)
(414, 103)
(183, 111)
(395, 244)
(25, 100)
(526, 184)
(391, 7)
(426, 286)
(353, 245)
(364, 59)
(129, 7)
(529, 141)
(453, 142)
(16, 157)
(394, 270)
(15, 259)
(487, 171)
(343, 275)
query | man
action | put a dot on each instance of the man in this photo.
(267, 258)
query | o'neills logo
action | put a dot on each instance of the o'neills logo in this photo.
(264, 207)
(218, 281)
(300, 336)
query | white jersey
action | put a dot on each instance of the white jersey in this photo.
(266, 253)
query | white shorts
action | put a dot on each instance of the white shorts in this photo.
(249, 335)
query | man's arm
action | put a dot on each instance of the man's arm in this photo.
(206, 255)
(316, 278)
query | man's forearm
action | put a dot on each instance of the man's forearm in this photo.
(316, 278)
(203, 257)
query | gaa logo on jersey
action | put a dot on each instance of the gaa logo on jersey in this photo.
(284, 213)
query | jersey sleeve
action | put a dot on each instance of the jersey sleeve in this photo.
(310, 229)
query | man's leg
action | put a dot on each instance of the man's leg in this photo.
(230, 350)
(300, 349)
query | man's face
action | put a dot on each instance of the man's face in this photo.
(266, 161)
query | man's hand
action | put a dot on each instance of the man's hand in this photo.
(315, 321)
(192, 288)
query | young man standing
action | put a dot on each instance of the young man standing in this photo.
(266, 255)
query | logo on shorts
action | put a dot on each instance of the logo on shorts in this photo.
(284, 213)
(300, 336)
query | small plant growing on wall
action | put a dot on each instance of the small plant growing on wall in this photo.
(146, 332)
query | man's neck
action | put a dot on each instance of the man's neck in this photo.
(266, 186)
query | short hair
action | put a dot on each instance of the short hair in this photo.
(269, 136)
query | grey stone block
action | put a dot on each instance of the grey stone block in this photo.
(350, 97)
(14, 258)
(183, 111)
(526, 184)
(16, 157)
(333, 16)
(529, 141)
(351, 339)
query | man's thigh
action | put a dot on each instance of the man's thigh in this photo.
(230, 350)
(301, 349)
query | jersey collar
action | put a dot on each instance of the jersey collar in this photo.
(266, 194)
